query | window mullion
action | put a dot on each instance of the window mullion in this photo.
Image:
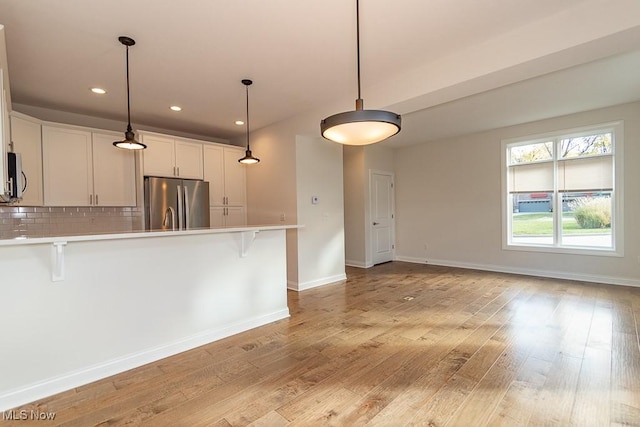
(557, 198)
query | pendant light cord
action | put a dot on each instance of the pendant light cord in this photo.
(358, 42)
(128, 102)
(247, 91)
(359, 102)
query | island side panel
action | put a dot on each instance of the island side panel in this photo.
(124, 303)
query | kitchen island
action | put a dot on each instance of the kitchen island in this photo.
(80, 308)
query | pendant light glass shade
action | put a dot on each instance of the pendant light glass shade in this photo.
(129, 142)
(360, 127)
(248, 158)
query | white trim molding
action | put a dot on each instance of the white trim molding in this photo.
(592, 278)
(316, 283)
(359, 264)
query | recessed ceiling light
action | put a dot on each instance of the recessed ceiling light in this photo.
(176, 108)
(239, 122)
(98, 90)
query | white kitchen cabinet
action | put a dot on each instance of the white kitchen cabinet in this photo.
(114, 177)
(169, 156)
(81, 168)
(67, 167)
(229, 216)
(26, 136)
(226, 177)
(189, 159)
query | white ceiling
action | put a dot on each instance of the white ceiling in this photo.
(301, 56)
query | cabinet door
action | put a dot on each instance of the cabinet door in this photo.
(216, 217)
(234, 177)
(235, 216)
(67, 171)
(188, 159)
(27, 140)
(159, 156)
(114, 178)
(214, 173)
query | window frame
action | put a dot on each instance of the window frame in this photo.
(617, 228)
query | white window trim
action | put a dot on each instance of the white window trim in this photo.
(617, 250)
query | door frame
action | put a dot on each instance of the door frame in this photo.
(369, 228)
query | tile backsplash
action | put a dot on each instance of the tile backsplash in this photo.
(17, 221)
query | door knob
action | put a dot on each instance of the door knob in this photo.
(376, 223)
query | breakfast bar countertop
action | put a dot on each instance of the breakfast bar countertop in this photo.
(142, 234)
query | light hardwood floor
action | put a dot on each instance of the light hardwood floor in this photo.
(397, 344)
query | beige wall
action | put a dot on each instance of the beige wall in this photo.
(354, 205)
(358, 164)
(448, 203)
(321, 241)
(271, 187)
(293, 165)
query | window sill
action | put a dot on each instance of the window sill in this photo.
(577, 250)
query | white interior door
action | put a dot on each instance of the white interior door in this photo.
(382, 236)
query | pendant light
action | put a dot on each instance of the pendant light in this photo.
(248, 158)
(129, 142)
(360, 127)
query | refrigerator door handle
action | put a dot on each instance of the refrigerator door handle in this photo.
(171, 211)
(180, 209)
(186, 208)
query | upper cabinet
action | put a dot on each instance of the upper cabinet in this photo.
(171, 157)
(114, 177)
(83, 168)
(227, 184)
(226, 176)
(26, 138)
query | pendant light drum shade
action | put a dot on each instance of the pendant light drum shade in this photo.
(129, 142)
(360, 127)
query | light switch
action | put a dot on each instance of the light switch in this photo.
(315, 200)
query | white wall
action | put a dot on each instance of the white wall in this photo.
(321, 241)
(448, 199)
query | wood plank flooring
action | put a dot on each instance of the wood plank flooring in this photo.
(398, 344)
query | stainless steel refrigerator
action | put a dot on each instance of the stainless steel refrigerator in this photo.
(175, 204)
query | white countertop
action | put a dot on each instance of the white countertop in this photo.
(143, 234)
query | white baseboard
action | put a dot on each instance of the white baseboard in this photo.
(359, 264)
(609, 280)
(319, 282)
(42, 389)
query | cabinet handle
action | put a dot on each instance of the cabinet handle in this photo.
(91, 199)
(174, 171)
(178, 170)
(97, 200)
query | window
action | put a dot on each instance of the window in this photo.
(562, 192)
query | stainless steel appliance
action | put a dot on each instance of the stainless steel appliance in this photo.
(175, 204)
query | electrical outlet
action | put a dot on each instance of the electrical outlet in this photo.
(282, 217)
